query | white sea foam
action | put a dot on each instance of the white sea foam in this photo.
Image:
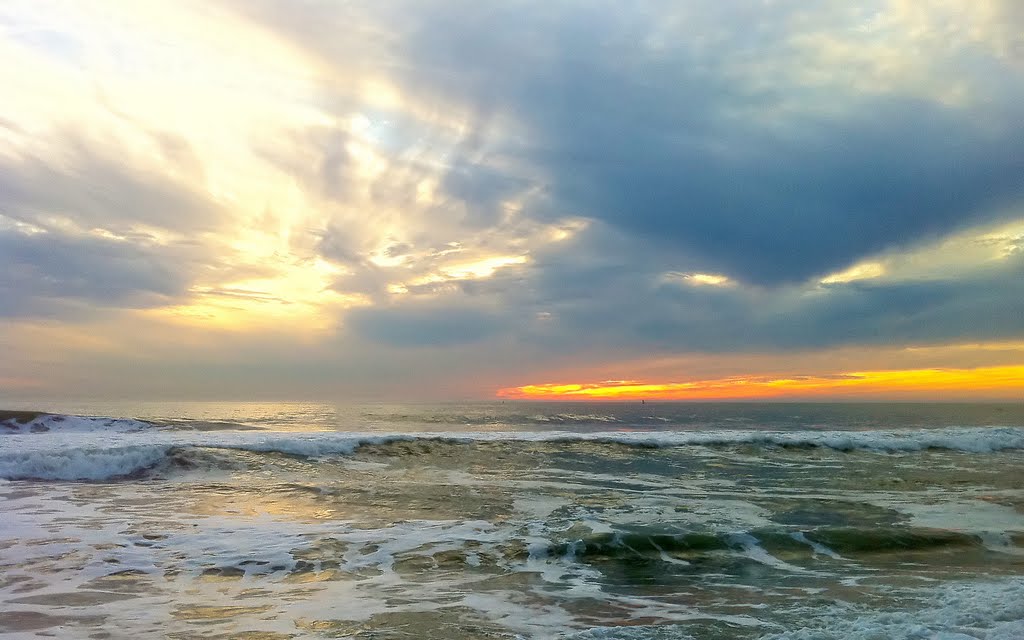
(975, 516)
(573, 417)
(818, 548)
(752, 549)
(961, 611)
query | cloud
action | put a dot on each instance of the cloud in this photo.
(87, 183)
(318, 156)
(702, 168)
(673, 144)
(607, 292)
(652, 119)
(68, 275)
(653, 314)
(425, 325)
(88, 224)
(500, 187)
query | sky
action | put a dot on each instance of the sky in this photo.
(558, 199)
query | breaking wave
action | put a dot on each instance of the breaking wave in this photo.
(970, 440)
(25, 422)
(834, 542)
(52, 447)
(101, 465)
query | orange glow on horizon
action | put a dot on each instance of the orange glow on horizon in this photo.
(997, 381)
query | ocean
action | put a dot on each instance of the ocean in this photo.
(512, 520)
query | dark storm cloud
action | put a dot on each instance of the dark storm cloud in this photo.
(776, 212)
(606, 291)
(691, 133)
(643, 309)
(851, 313)
(649, 118)
(668, 144)
(482, 188)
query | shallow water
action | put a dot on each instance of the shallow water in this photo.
(514, 521)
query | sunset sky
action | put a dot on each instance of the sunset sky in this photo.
(446, 199)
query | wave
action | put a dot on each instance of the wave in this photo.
(109, 464)
(605, 429)
(834, 542)
(457, 548)
(509, 419)
(110, 459)
(103, 463)
(969, 440)
(82, 464)
(25, 422)
(976, 439)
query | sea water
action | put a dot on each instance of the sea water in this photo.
(615, 521)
